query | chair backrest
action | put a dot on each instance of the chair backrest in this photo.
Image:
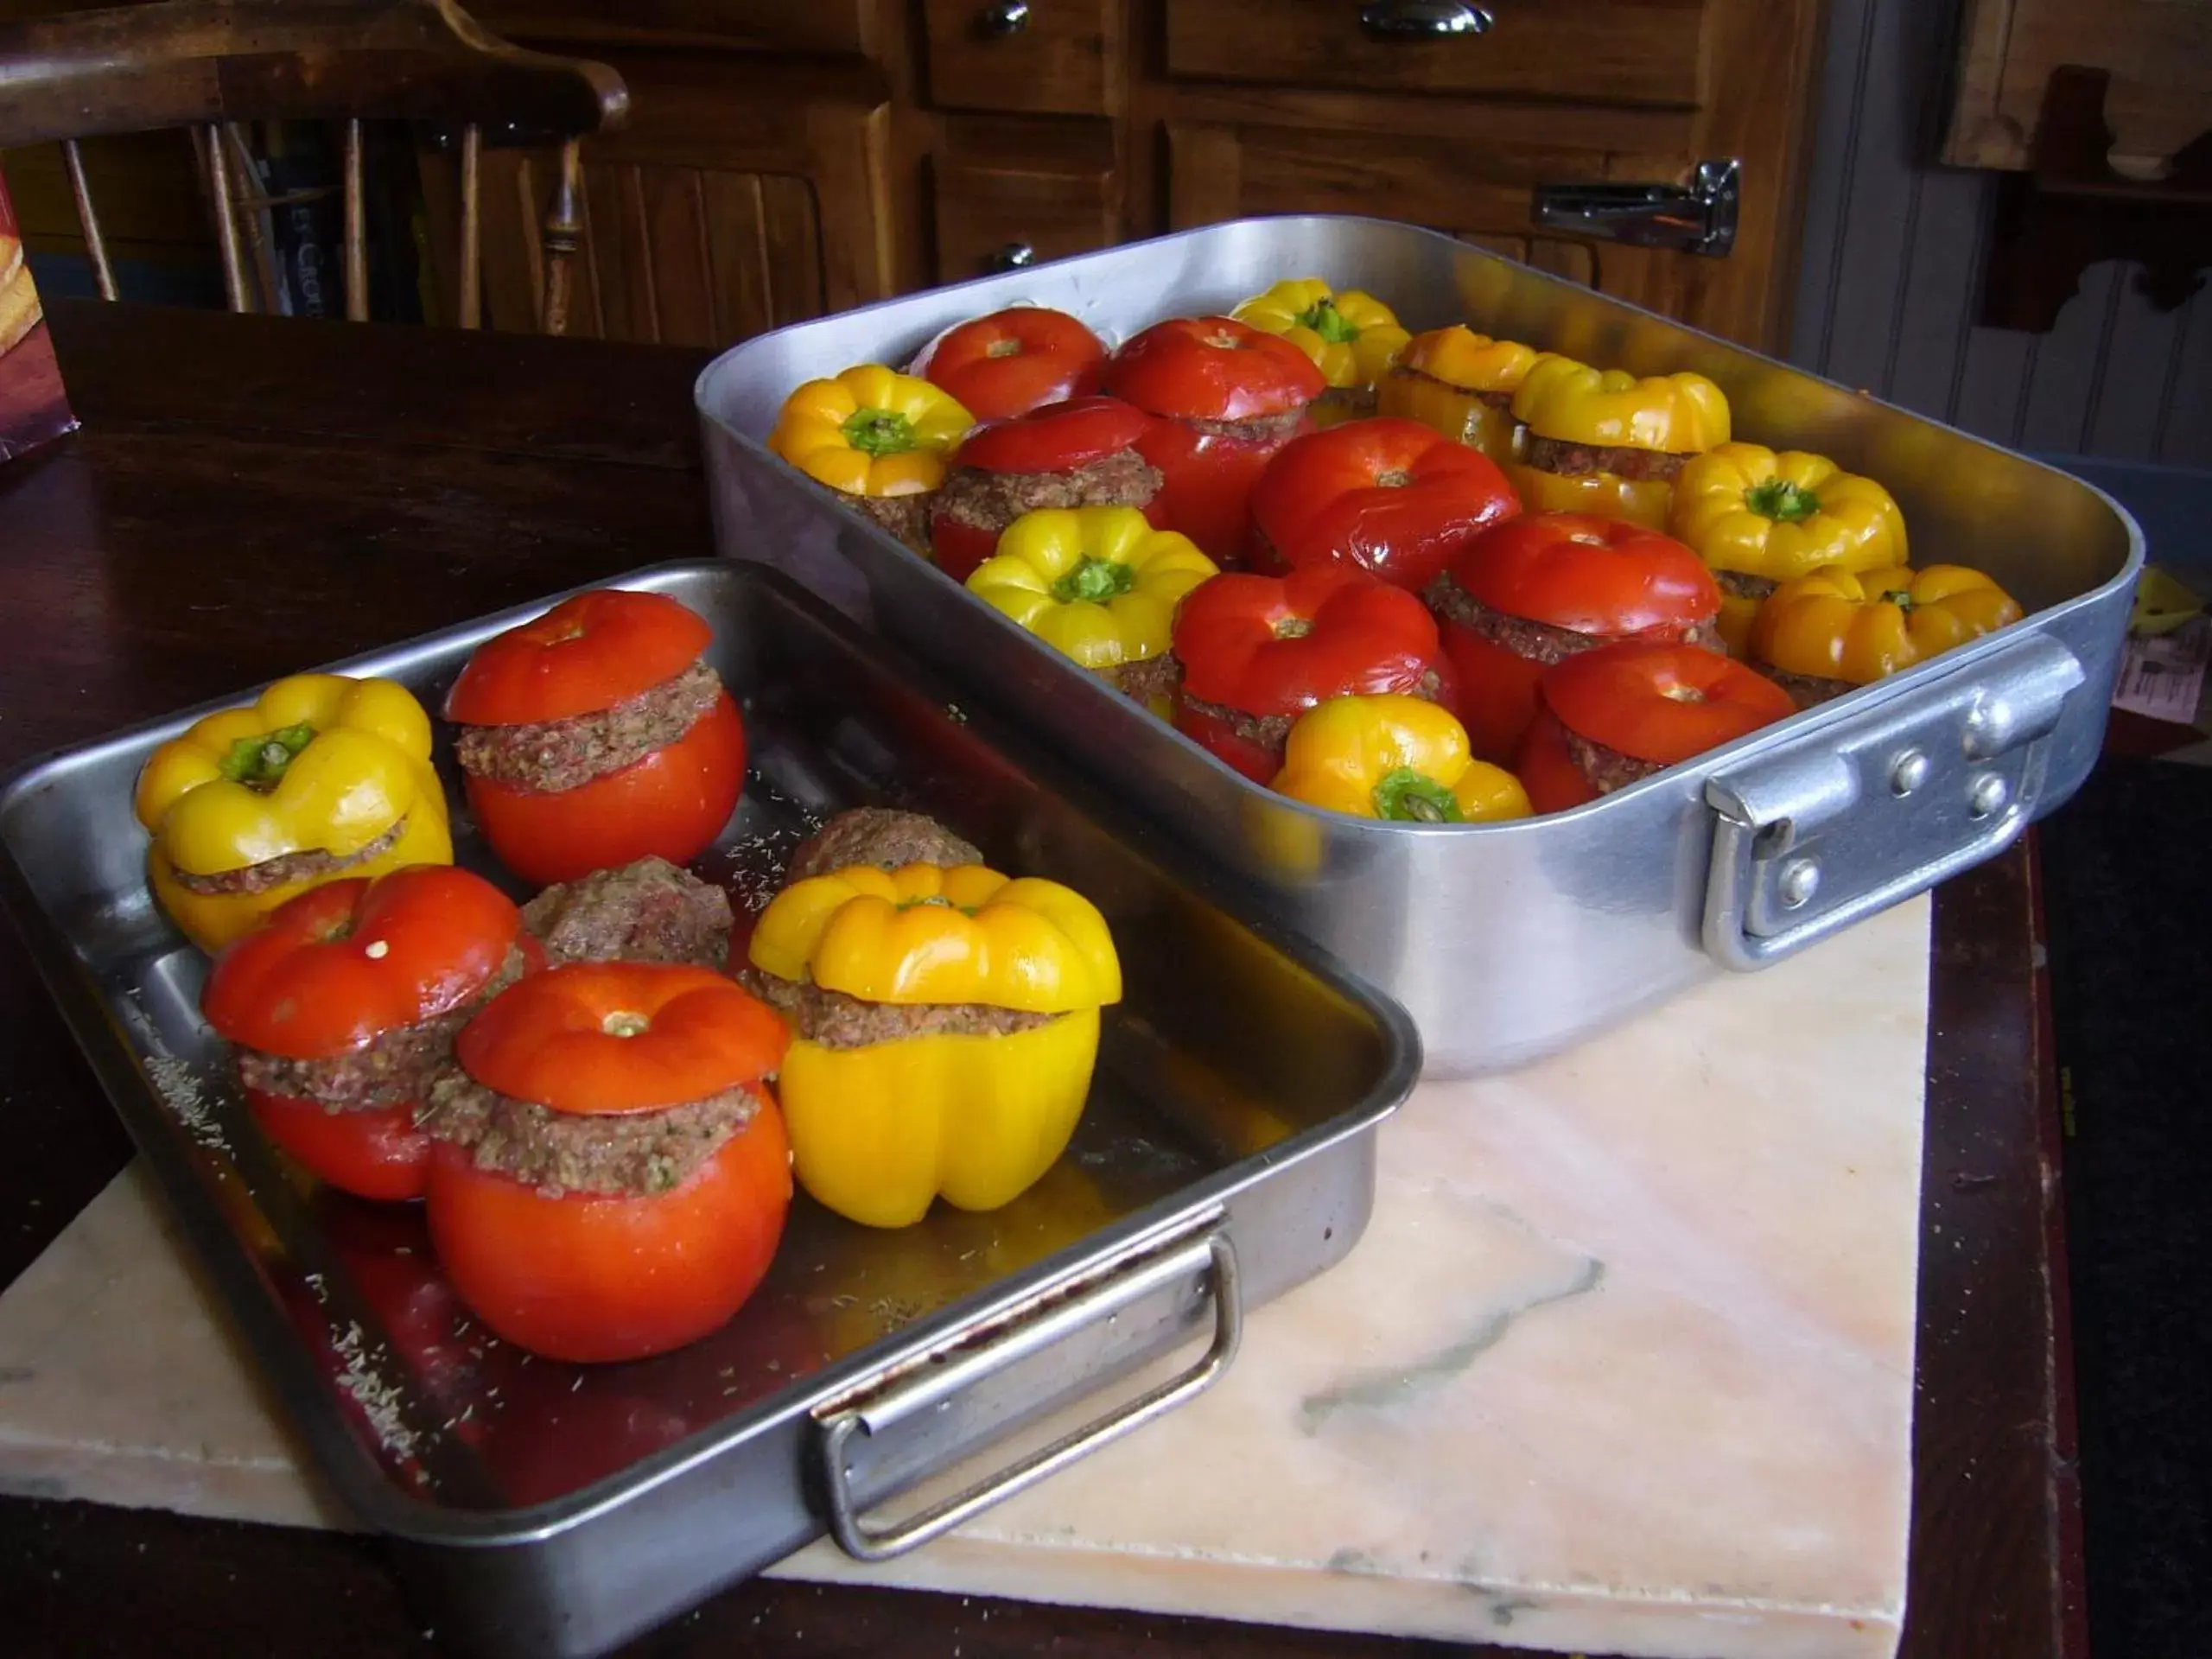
(213, 66)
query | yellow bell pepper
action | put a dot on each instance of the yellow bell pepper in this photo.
(1352, 337)
(1395, 757)
(1744, 508)
(1461, 384)
(1859, 625)
(1099, 584)
(319, 765)
(881, 1129)
(870, 432)
(1610, 408)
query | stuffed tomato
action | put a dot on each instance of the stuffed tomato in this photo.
(1013, 361)
(1080, 454)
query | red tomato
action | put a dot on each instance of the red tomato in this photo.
(1594, 576)
(1225, 743)
(1279, 645)
(1206, 489)
(1496, 692)
(1014, 360)
(1212, 369)
(586, 654)
(1547, 770)
(1056, 438)
(372, 1153)
(591, 1278)
(1393, 497)
(673, 803)
(596, 1037)
(1661, 702)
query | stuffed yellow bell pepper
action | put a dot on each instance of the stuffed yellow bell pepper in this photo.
(877, 435)
(1461, 384)
(323, 777)
(1835, 629)
(1759, 519)
(945, 1027)
(1395, 757)
(1352, 337)
(1604, 441)
(1100, 585)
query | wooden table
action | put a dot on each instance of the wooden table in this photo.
(251, 497)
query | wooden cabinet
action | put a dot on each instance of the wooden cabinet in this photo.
(1060, 57)
(1006, 193)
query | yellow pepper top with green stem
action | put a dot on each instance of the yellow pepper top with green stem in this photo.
(1675, 413)
(1860, 626)
(319, 764)
(1744, 508)
(870, 431)
(1396, 757)
(1352, 337)
(1099, 584)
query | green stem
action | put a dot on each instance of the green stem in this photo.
(1324, 319)
(260, 761)
(1094, 582)
(1781, 501)
(879, 432)
(1408, 796)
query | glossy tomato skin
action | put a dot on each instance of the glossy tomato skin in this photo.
(1058, 438)
(373, 1153)
(1207, 483)
(1661, 702)
(1015, 360)
(1547, 769)
(1393, 497)
(1279, 645)
(586, 654)
(1602, 577)
(595, 1278)
(1497, 697)
(1225, 743)
(672, 803)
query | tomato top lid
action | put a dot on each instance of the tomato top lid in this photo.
(585, 655)
(1212, 369)
(1592, 575)
(1271, 645)
(599, 1037)
(1055, 438)
(345, 962)
(1661, 701)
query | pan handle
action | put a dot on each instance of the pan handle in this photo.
(935, 1376)
(1853, 817)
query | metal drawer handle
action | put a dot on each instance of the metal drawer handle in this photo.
(1423, 20)
(1006, 18)
(1211, 1253)
(1855, 817)
(1012, 256)
(1696, 218)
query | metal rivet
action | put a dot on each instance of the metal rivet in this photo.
(1801, 879)
(1986, 794)
(1908, 772)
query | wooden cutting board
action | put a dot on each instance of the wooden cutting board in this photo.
(1623, 1364)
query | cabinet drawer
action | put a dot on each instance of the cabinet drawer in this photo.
(1048, 57)
(999, 186)
(1612, 51)
(834, 27)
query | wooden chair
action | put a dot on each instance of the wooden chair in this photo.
(212, 65)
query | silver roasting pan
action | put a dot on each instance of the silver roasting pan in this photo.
(539, 1509)
(1506, 942)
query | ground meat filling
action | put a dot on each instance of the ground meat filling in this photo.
(1809, 691)
(991, 501)
(1352, 402)
(1743, 585)
(1540, 642)
(546, 757)
(1558, 455)
(651, 910)
(390, 1069)
(1266, 430)
(1502, 401)
(907, 516)
(1155, 678)
(1272, 732)
(837, 1021)
(288, 866)
(627, 1154)
(1605, 770)
(880, 835)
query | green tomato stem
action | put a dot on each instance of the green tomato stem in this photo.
(1408, 796)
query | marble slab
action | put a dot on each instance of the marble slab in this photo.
(1623, 1364)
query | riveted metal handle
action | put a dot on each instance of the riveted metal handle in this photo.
(1013, 256)
(1423, 20)
(1819, 834)
(936, 1379)
(1006, 18)
(1698, 217)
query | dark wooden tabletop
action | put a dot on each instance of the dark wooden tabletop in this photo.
(250, 496)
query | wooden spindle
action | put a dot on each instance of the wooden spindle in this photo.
(248, 200)
(564, 230)
(471, 292)
(88, 220)
(357, 233)
(226, 228)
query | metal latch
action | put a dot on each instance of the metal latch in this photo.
(1696, 218)
(1850, 819)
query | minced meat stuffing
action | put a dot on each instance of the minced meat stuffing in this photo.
(1540, 642)
(993, 500)
(1807, 691)
(632, 1155)
(546, 757)
(1558, 455)
(837, 1021)
(883, 836)
(1348, 403)
(1156, 678)
(651, 910)
(1606, 770)
(288, 866)
(1498, 400)
(1266, 428)
(390, 1069)
(1743, 585)
(907, 516)
(1272, 732)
